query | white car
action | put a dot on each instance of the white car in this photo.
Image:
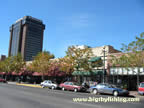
(49, 84)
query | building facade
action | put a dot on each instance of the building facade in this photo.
(125, 76)
(99, 73)
(26, 37)
(104, 52)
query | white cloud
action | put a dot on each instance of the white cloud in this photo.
(77, 21)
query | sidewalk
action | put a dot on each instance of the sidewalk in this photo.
(9, 82)
(29, 85)
(24, 84)
(133, 93)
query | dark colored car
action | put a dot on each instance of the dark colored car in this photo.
(141, 88)
(108, 89)
(3, 80)
(72, 86)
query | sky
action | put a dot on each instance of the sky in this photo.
(76, 22)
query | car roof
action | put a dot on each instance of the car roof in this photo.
(105, 83)
(47, 80)
(67, 81)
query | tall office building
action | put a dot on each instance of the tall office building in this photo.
(26, 37)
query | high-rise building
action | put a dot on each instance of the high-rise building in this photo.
(26, 37)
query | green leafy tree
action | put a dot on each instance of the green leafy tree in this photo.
(78, 59)
(7, 65)
(41, 63)
(66, 65)
(12, 63)
(17, 63)
(134, 55)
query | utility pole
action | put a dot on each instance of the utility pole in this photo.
(104, 64)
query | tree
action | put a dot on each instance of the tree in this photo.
(17, 63)
(78, 59)
(66, 65)
(41, 62)
(12, 64)
(134, 55)
(7, 65)
(1, 66)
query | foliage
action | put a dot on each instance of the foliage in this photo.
(66, 65)
(12, 63)
(135, 51)
(97, 63)
(17, 63)
(41, 63)
(133, 55)
(79, 57)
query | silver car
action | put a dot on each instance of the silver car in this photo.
(108, 89)
(49, 84)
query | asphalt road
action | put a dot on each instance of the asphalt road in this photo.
(13, 96)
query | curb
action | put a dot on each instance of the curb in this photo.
(29, 85)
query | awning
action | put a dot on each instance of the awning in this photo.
(20, 73)
(87, 73)
(94, 59)
(37, 74)
(26, 73)
(2, 73)
(14, 73)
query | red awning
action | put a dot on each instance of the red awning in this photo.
(37, 74)
(46, 74)
(2, 73)
(20, 73)
(14, 73)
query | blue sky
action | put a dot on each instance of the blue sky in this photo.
(76, 22)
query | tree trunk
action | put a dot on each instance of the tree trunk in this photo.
(43, 77)
(138, 77)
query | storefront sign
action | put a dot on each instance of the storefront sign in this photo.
(126, 71)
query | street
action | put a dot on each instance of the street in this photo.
(14, 96)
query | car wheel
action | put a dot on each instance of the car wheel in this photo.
(52, 87)
(63, 89)
(43, 86)
(115, 93)
(95, 91)
(75, 89)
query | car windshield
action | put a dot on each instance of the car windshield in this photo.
(142, 85)
(113, 86)
(75, 83)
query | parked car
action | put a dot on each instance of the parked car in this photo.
(141, 88)
(3, 80)
(49, 84)
(72, 86)
(108, 89)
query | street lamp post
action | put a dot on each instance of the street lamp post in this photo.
(104, 64)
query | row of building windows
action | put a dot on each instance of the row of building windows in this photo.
(15, 39)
